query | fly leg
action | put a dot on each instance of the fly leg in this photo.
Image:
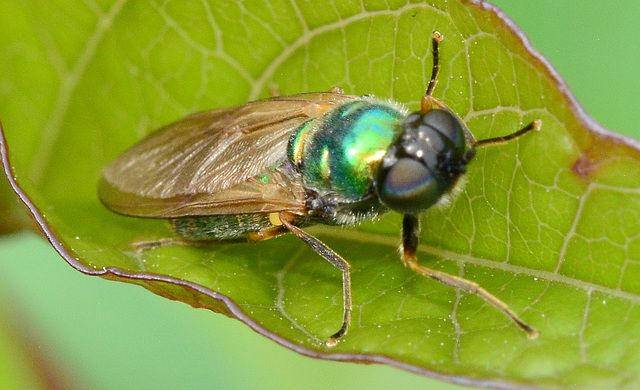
(410, 234)
(337, 261)
(427, 99)
(141, 246)
(266, 234)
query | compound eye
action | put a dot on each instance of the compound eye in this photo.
(447, 124)
(408, 187)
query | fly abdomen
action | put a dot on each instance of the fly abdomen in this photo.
(219, 227)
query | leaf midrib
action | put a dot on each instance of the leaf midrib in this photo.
(68, 84)
(463, 259)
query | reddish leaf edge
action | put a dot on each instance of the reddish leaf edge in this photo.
(234, 311)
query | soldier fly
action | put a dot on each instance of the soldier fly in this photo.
(275, 166)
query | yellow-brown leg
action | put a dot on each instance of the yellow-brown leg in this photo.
(141, 246)
(410, 234)
(266, 234)
(337, 261)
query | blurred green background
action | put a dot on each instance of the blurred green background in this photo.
(105, 335)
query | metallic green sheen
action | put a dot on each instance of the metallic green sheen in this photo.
(219, 227)
(339, 151)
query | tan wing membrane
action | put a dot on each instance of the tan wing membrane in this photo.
(203, 164)
(244, 198)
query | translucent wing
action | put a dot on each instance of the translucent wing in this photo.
(207, 163)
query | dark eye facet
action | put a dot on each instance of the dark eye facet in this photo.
(408, 187)
(447, 125)
(424, 163)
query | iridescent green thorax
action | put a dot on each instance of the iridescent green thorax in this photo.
(340, 150)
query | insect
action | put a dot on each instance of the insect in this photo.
(275, 166)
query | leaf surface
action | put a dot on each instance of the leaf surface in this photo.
(547, 223)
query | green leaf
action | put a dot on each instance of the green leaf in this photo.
(548, 223)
